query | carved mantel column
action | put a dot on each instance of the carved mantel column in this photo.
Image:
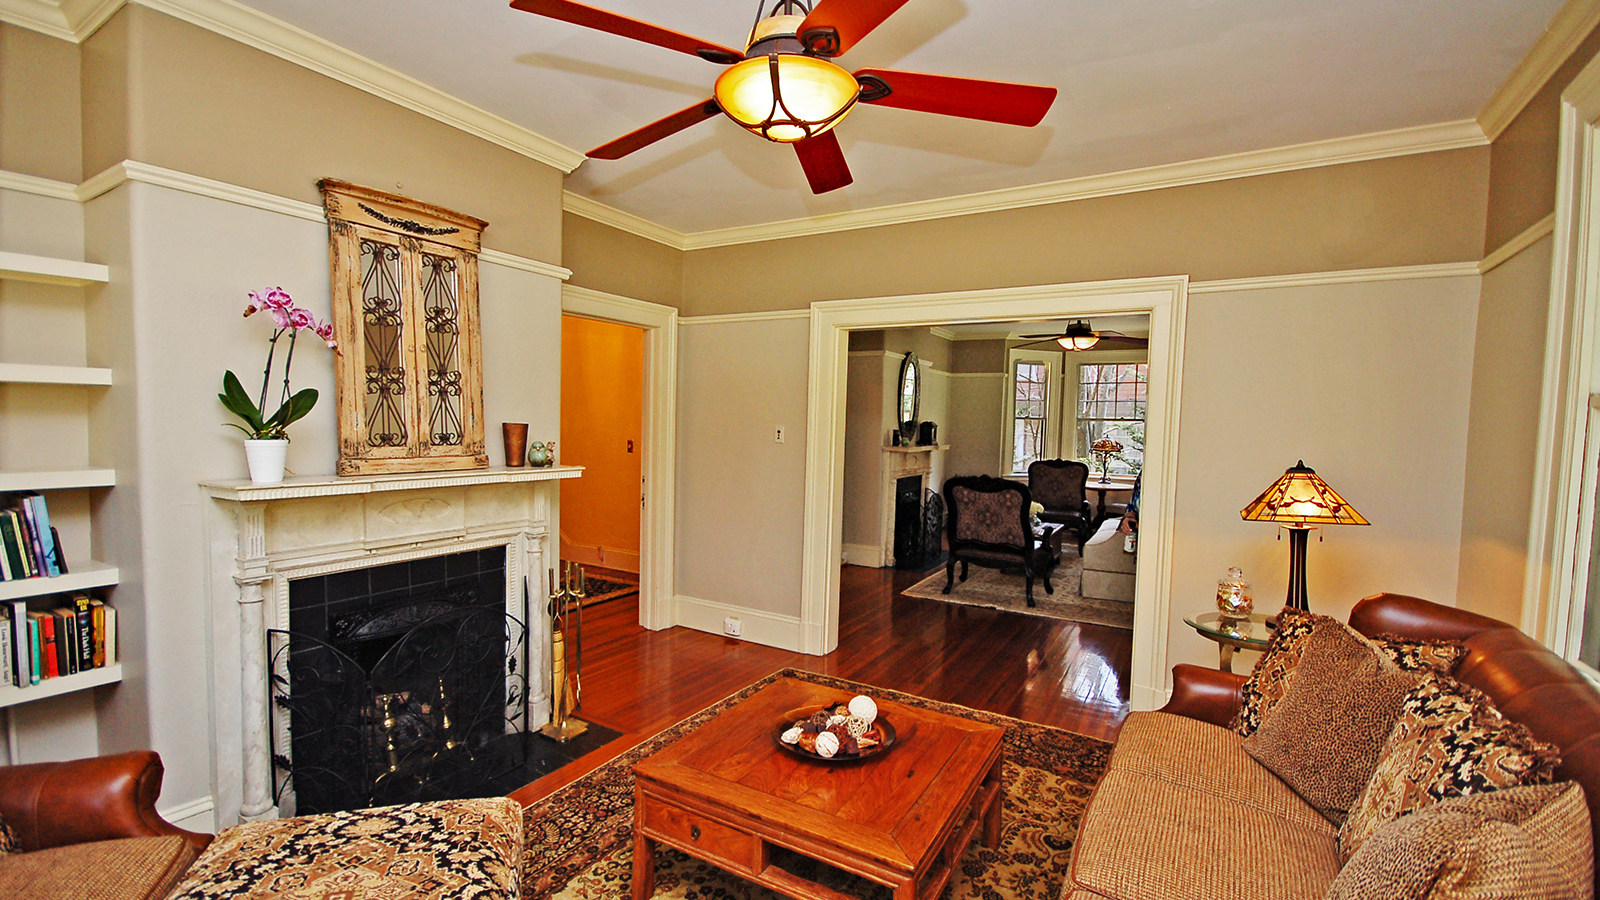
(254, 578)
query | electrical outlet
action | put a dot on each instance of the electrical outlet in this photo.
(777, 434)
(730, 625)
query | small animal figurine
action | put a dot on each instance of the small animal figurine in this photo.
(538, 455)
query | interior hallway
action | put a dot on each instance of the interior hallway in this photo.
(1043, 670)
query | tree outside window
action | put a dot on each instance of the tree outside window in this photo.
(1029, 404)
(1111, 404)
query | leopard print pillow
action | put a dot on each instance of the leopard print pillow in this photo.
(1270, 678)
(8, 839)
(1418, 656)
(1449, 741)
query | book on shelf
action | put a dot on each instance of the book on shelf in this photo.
(37, 645)
(29, 546)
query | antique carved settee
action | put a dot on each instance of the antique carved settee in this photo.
(1183, 811)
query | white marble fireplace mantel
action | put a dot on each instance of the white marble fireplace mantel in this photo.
(261, 537)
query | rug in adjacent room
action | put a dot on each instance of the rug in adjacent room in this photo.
(580, 839)
(600, 588)
(997, 589)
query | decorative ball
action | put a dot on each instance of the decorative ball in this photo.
(792, 736)
(821, 717)
(864, 707)
(827, 744)
(836, 720)
(857, 726)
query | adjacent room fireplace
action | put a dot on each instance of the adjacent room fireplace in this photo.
(400, 683)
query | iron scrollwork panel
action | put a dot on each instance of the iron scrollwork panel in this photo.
(441, 311)
(383, 329)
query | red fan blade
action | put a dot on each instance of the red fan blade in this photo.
(835, 26)
(655, 131)
(589, 17)
(969, 98)
(824, 163)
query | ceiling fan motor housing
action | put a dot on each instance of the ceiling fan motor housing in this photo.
(780, 91)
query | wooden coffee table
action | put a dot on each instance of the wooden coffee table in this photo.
(728, 794)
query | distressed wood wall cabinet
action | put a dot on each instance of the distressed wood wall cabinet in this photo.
(405, 312)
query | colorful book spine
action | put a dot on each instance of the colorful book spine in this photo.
(35, 650)
(67, 639)
(30, 529)
(81, 606)
(97, 613)
(47, 542)
(12, 536)
(111, 636)
(49, 656)
(8, 675)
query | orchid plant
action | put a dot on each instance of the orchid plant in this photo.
(286, 318)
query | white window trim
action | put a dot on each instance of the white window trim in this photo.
(1567, 459)
(1052, 402)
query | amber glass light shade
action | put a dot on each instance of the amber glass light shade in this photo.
(1079, 336)
(786, 97)
(1301, 498)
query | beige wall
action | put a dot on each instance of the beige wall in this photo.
(1427, 208)
(929, 347)
(164, 92)
(39, 126)
(1522, 160)
(1503, 432)
(608, 259)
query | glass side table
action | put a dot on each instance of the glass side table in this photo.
(1254, 633)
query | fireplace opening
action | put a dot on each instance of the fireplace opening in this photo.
(918, 525)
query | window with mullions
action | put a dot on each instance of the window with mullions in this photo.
(1029, 407)
(1111, 404)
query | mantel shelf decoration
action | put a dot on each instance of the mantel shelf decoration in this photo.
(405, 312)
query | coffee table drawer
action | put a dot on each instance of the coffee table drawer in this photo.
(708, 838)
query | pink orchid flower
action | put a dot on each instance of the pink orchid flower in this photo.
(300, 318)
(278, 298)
(255, 304)
(325, 331)
(280, 317)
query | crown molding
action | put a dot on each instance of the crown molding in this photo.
(940, 332)
(1347, 276)
(1336, 151)
(75, 20)
(1521, 242)
(41, 187)
(1565, 32)
(639, 226)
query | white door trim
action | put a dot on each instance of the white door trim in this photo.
(1164, 299)
(659, 460)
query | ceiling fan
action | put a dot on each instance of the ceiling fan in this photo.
(785, 88)
(1079, 336)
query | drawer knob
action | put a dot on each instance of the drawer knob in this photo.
(694, 832)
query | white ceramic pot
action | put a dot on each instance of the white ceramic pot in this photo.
(266, 460)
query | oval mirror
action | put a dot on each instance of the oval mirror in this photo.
(910, 398)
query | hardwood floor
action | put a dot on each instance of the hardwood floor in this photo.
(1044, 670)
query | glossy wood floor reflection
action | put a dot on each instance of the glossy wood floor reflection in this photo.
(1044, 670)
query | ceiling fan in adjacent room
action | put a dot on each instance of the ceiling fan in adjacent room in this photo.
(1079, 336)
(785, 88)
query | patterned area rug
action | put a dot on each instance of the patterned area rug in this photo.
(996, 589)
(580, 839)
(601, 589)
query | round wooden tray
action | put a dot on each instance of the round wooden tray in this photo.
(798, 715)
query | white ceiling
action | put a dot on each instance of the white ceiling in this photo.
(1142, 82)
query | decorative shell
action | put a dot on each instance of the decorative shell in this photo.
(857, 726)
(792, 736)
(864, 707)
(827, 744)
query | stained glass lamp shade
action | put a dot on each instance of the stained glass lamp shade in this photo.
(1300, 501)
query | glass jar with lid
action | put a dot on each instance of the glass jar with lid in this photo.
(1233, 595)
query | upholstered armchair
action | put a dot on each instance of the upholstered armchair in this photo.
(1058, 485)
(988, 523)
(89, 827)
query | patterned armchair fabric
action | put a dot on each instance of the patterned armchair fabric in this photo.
(988, 523)
(1058, 484)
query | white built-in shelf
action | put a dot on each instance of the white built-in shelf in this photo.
(65, 684)
(89, 575)
(25, 373)
(56, 480)
(243, 491)
(49, 270)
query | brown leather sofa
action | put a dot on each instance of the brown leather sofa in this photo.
(1527, 682)
(90, 829)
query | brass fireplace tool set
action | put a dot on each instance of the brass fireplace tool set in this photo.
(566, 603)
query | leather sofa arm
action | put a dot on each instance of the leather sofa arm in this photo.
(1417, 619)
(1209, 695)
(100, 799)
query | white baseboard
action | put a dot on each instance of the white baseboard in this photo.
(756, 626)
(863, 555)
(605, 557)
(196, 815)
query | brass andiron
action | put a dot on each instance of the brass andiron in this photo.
(564, 597)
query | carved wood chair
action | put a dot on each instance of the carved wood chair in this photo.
(988, 523)
(1059, 485)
